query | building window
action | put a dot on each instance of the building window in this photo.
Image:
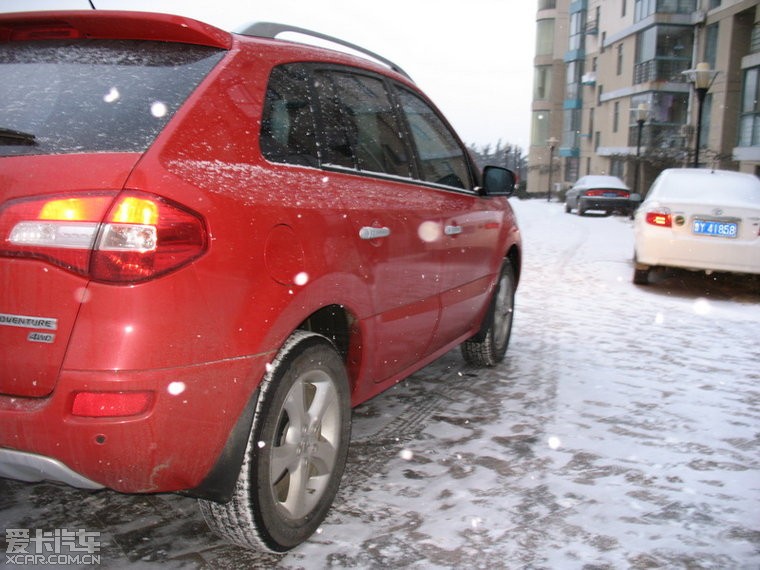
(754, 42)
(616, 116)
(714, 4)
(545, 37)
(662, 53)
(623, 9)
(571, 128)
(645, 8)
(669, 108)
(540, 128)
(572, 166)
(667, 116)
(547, 4)
(577, 30)
(617, 167)
(711, 44)
(542, 82)
(749, 127)
(574, 80)
(620, 59)
(591, 121)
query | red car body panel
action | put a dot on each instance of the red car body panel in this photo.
(283, 243)
(35, 288)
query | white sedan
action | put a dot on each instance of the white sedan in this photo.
(699, 219)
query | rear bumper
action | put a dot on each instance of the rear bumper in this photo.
(708, 254)
(171, 446)
(32, 468)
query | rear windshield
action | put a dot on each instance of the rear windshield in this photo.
(93, 96)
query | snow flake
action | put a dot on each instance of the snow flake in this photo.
(429, 231)
(158, 109)
(112, 96)
(702, 307)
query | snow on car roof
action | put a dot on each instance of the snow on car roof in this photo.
(600, 181)
(705, 185)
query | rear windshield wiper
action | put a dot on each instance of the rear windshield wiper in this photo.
(11, 136)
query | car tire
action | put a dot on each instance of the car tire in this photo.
(489, 346)
(296, 451)
(641, 276)
(581, 211)
(568, 209)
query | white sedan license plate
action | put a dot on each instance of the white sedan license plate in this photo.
(718, 229)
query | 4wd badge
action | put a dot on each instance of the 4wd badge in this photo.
(40, 337)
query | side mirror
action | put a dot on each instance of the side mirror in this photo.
(498, 181)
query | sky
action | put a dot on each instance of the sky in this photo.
(473, 59)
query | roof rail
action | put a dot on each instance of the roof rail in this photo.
(272, 30)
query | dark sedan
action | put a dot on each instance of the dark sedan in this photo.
(603, 193)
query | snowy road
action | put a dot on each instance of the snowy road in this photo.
(623, 431)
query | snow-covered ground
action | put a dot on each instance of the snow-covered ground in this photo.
(623, 431)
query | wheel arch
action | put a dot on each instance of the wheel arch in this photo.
(336, 323)
(513, 257)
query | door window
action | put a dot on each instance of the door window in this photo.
(360, 127)
(442, 159)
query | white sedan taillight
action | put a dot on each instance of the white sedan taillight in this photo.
(108, 236)
(660, 217)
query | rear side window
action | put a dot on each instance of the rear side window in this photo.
(361, 129)
(442, 159)
(94, 95)
(288, 133)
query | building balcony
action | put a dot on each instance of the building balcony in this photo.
(670, 70)
(658, 136)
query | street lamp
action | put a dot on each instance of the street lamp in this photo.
(702, 77)
(642, 113)
(552, 143)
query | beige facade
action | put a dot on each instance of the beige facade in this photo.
(548, 90)
(624, 93)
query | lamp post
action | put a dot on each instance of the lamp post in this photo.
(702, 77)
(551, 143)
(642, 112)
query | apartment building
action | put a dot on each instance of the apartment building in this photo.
(613, 92)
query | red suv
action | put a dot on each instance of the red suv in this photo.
(212, 246)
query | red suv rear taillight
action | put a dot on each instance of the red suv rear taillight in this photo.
(113, 237)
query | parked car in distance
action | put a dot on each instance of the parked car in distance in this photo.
(212, 245)
(699, 219)
(608, 194)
